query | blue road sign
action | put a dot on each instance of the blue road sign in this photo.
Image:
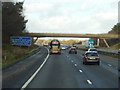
(26, 41)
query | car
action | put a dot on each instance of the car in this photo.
(66, 47)
(91, 57)
(63, 48)
(73, 50)
(92, 50)
(76, 46)
(69, 46)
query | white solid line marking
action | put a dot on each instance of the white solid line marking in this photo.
(75, 64)
(89, 82)
(80, 70)
(30, 79)
(109, 65)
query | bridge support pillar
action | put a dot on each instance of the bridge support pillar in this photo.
(33, 41)
(98, 42)
(106, 43)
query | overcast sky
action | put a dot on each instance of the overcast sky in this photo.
(71, 16)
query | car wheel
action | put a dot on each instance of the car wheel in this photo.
(69, 52)
(98, 63)
(75, 52)
(85, 63)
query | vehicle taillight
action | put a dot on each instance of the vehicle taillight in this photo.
(98, 57)
(86, 57)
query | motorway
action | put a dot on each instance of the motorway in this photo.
(62, 71)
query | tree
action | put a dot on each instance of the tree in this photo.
(115, 29)
(13, 21)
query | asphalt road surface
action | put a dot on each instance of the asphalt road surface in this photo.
(67, 71)
(18, 74)
(63, 71)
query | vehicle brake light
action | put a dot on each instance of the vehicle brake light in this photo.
(86, 57)
(98, 57)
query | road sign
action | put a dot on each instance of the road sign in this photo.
(24, 41)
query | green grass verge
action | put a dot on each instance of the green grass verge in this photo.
(15, 54)
(111, 55)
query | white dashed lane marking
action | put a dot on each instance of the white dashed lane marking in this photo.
(89, 82)
(75, 64)
(109, 65)
(80, 70)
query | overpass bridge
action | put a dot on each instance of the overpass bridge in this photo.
(106, 36)
(98, 36)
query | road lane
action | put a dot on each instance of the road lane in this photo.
(106, 59)
(59, 72)
(54, 74)
(101, 76)
(18, 74)
(67, 71)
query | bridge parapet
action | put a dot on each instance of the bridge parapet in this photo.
(106, 36)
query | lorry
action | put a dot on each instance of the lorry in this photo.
(54, 47)
(89, 43)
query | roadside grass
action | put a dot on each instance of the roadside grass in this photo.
(114, 47)
(111, 55)
(14, 54)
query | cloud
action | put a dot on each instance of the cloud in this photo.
(37, 7)
(106, 16)
(71, 16)
(84, 6)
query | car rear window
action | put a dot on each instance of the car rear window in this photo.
(91, 54)
(73, 49)
(93, 50)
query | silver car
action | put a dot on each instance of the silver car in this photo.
(92, 50)
(91, 57)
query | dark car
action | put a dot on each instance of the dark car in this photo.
(73, 50)
(76, 46)
(91, 57)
